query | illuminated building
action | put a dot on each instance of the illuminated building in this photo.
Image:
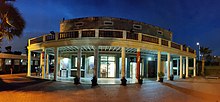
(111, 48)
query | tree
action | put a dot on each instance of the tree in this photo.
(205, 52)
(11, 21)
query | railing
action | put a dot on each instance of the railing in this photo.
(64, 35)
(50, 37)
(133, 36)
(88, 33)
(176, 46)
(164, 42)
(150, 39)
(111, 34)
(191, 50)
(36, 40)
(184, 48)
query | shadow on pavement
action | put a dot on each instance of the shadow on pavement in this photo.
(36, 84)
(15, 86)
(198, 94)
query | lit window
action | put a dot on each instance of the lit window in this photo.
(108, 23)
(135, 26)
(7, 61)
(16, 62)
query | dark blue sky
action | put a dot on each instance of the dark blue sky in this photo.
(190, 21)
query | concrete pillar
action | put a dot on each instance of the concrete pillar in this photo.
(56, 53)
(79, 54)
(158, 63)
(96, 60)
(178, 66)
(171, 66)
(138, 63)
(194, 66)
(187, 67)
(29, 63)
(181, 66)
(47, 65)
(43, 63)
(122, 62)
(184, 66)
(168, 66)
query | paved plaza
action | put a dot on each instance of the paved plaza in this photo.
(18, 88)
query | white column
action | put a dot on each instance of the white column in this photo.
(79, 54)
(184, 66)
(122, 62)
(171, 66)
(194, 67)
(43, 63)
(47, 65)
(168, 66)
(181, 66)
(187, 67)
(178, 66)
(96, 59)
(56, 53)
(158, 63)
(29, 63)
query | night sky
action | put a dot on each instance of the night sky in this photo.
(190, 21)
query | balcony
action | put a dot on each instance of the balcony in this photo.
(119, 34)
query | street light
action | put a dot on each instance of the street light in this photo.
(199, 49)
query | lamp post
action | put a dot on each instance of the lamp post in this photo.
(199, 49)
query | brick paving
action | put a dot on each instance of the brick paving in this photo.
(17, 88)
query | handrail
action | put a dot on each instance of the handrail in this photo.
(133, 36)
(36, 40)
(164, 42)
(150, 39)
(175, 45)
(63, 35)
(111, 34)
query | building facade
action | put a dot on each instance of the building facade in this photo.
(16, 63)
(109, 47)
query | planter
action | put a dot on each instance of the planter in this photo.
(140, 81)
(171, 78)
(161, 80)
(94, 81)
(184, 76)
(76, 80)
(123, 81)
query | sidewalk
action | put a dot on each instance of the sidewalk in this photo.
(195, 89)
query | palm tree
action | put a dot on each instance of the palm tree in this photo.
(11, 21)
(205, 52)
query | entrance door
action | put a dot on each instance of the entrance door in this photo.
(103, 70)
(107, 67)
(133, 68)
(152, 69)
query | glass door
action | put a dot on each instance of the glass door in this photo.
(103, 70)
(107, 67)
(111, 69)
